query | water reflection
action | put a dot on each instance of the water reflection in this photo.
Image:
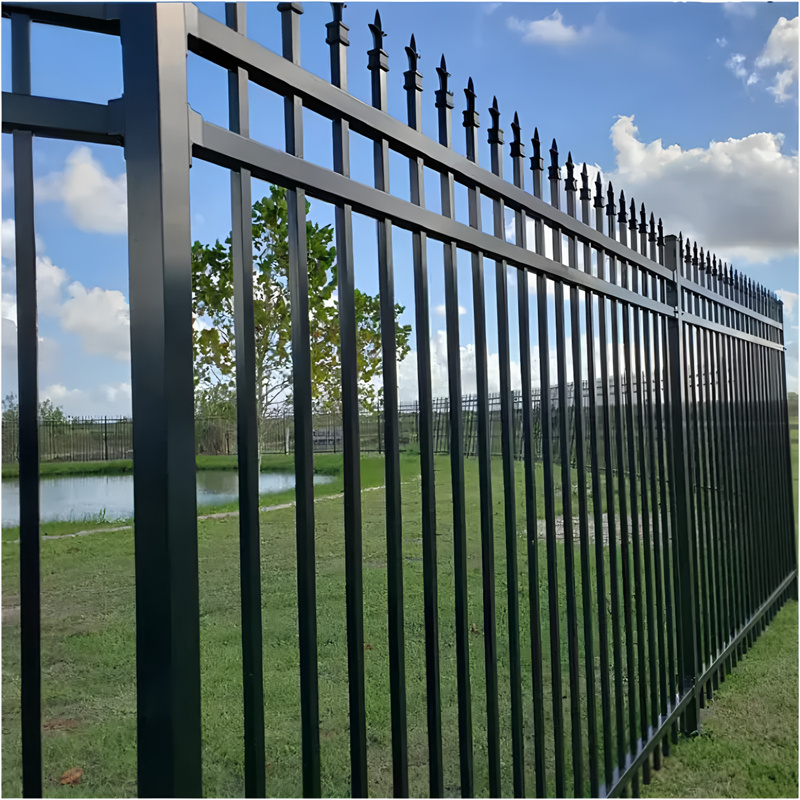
(74, 497)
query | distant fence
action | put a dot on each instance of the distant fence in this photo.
(110, 438)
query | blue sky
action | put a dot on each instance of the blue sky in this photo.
(689, 107)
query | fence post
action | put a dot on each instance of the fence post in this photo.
(105, 436)
(158, 153)
(682, 525)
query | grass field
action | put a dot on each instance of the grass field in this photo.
(748, 746)
(269, 463)
(88, 645)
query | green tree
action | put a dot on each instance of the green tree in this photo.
(212, 284)
(48, 411)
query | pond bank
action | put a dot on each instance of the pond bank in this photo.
(325, 463)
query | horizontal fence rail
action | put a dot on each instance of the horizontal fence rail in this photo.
(601, 541)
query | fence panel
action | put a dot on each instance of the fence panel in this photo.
(637, 458)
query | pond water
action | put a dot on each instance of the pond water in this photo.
(74, 497)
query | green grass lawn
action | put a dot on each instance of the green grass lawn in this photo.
(88, 644)
(269, 463)
(88, 653)
(748, 744)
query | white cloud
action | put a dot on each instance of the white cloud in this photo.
(781, 51)
(441, 310)
(100, 317)
(739, 197)
(722, 41)
(50, 279)
(48, 355)
(552, 30)
(8, 233)
(93, 200)
(736, 65)
(50, 282)
(407, 369)
(736, 9)
(9, 307)
(789, 300)
(109, 399)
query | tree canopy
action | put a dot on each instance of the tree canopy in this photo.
(48, 411)
(212, 284)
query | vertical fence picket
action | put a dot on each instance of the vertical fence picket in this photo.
(484, 463)
(624, 499)
(571, 187)
(413, 86)
(597, 496)
(566, 494)
(338, 41)
(651, 660)
(637, 714)
(531, 517)
(696, 438)
(247, 432)
(444, 104)
(668, 665)
(507, 452)
(379, 66)
(682, 527)
(545, 407)
(303, 450)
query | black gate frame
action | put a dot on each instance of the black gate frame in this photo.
(717, 340)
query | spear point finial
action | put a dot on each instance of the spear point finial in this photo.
(570, 184)
(598, 192)
(378, 58)
(553, 173)
(537, 147)
(611, 208)
(517, 133)
(413, 55)
(494, 111)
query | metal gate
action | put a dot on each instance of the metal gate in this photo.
(699, 532)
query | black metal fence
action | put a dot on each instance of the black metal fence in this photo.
(109, 438)
(697, 551)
